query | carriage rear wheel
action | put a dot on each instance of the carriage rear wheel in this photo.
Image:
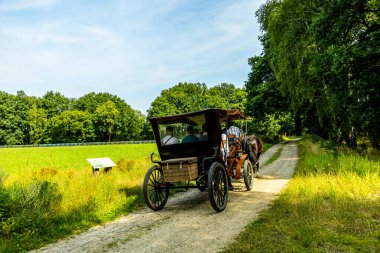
(248, 173)
(155, 191)
(217, 185)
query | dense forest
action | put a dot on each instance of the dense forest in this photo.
(320, 66)
(318, 73)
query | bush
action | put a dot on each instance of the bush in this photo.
(25, 211)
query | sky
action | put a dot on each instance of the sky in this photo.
(131, 49)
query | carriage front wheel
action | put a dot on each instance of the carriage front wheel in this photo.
(155, 191)
(248, 174)
(217, 185)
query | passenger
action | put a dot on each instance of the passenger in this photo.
(169, 139)
(203, 135)
(191, 137)
(225, 151)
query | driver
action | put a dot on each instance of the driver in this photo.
(233, 130)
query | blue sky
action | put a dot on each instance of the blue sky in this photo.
(132, 49)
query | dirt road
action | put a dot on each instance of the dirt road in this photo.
(188, 223)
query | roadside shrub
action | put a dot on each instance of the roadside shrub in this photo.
(25, 210)
(4, 201)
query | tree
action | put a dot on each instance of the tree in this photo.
(106, 116)
(127, 126)
(14, 118)
(226, 96)
(325, 54)
(265, 101)
(72, 126)
(181, 98)
(54, 103)
(38, 125)
(188, 97)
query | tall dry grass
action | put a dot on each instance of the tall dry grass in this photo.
(331, 205)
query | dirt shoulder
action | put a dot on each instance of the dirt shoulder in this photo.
(188, 223)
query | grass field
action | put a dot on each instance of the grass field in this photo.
(331, 205)
(48, 193)
(21, 160)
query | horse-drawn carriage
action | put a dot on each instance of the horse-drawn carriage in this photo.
(192, 148)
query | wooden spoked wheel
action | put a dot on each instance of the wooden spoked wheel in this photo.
(156, 193)
(217, 186)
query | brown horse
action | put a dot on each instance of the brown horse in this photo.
(254, 146)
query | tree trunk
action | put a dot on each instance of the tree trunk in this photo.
(373, 139)
(353, 143)
(344, 136)
(297, 120)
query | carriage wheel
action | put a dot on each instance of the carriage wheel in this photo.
(248, 174)
(155, 192)
(256, 169)
(217, 186)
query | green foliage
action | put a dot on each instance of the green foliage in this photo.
(128, 124)
(274, 125)
(72, 126)
(181, 98)
(102, 117)
(187, 97)
(106, 116)
(25, 211)
(38, 125)
(265, 102)
(54, 103)
(14, 118)
(226, 96)
(323, 56)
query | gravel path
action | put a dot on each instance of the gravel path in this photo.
(188, 223)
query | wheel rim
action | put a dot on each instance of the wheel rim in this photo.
(248, 174)
(219, 188)
(156, 193)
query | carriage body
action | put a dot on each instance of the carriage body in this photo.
(198, 158)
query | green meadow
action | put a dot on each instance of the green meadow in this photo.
(49, 193)
(24, 160)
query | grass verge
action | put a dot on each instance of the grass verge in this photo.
(331, 205)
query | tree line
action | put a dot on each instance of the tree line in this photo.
(55, 118)
(101, 117)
